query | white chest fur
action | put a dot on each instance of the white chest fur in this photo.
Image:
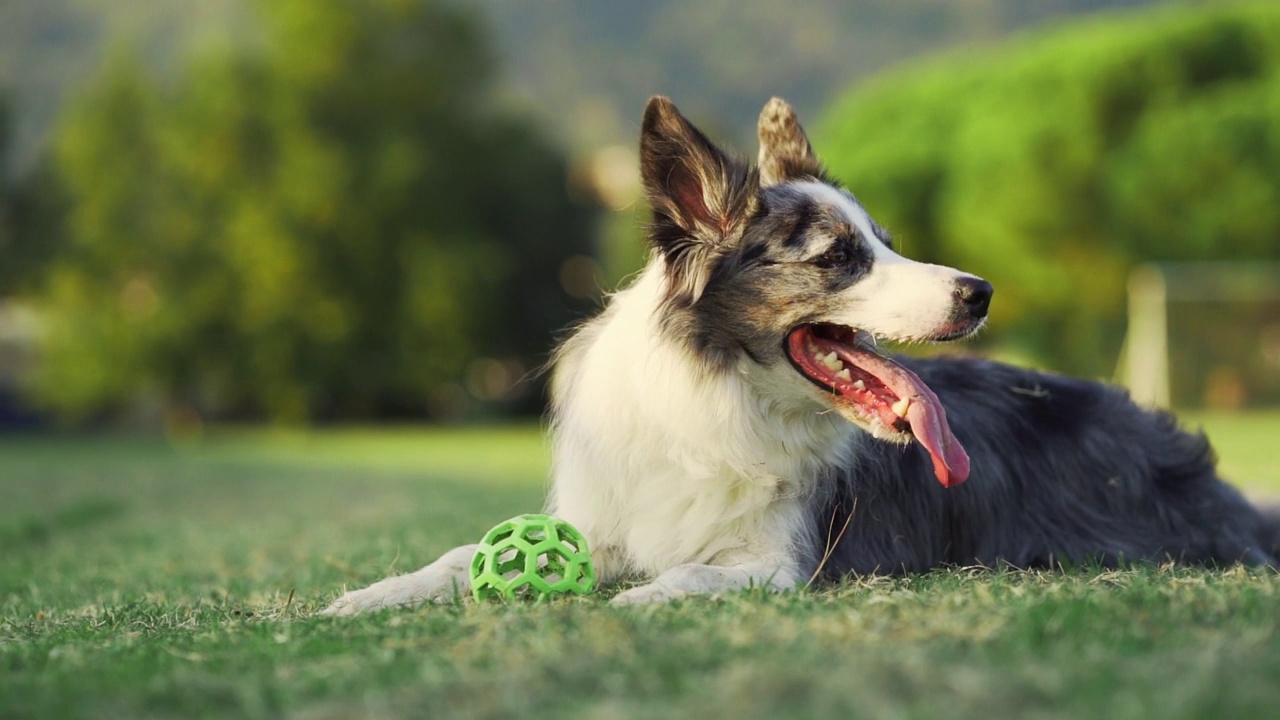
(661, 462)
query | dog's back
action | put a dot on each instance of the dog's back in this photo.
(1063, 470)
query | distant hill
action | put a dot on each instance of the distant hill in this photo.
(584, 66)
(50, 48)
(589, 66)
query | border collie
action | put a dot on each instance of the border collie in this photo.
(730, 409)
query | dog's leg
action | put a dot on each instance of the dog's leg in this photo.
(694, 578)
(441, 581)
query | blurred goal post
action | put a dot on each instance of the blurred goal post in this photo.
(1153, 287)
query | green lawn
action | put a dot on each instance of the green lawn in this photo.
(140, 579)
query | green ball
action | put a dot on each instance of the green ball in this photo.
(532, 556)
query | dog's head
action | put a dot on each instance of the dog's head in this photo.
(778, 273)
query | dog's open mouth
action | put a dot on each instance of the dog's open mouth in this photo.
(873, 390)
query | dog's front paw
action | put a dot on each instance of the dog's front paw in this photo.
(375, 597)
(399, 591)
(445, 580)
(698, 579)
(654, 592)
(353, 603)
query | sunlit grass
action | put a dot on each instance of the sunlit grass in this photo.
(1247, 445)
(139, 578)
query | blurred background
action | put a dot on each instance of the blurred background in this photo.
(328, 211)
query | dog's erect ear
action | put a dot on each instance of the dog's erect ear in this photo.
(785, 153)
(701, 197)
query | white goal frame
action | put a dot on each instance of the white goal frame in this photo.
(1144, 358)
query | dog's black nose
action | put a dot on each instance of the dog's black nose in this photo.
(975, 293)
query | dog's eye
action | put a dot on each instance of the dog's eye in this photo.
(838, 255)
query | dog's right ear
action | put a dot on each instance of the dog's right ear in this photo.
(700, 196)
(785, 153)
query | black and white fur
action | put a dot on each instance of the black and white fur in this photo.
(696, 458)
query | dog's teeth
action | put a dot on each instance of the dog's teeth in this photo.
(900, 408)
(844, 375)
(860, 385)
(832, 362)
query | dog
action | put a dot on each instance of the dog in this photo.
(730, 409)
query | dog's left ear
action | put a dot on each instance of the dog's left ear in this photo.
(785, 153)
(701, 197)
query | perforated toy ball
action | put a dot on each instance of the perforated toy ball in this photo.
(532, 556)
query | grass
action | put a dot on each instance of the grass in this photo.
(139, 578)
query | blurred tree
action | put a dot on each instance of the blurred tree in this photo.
(331, 226)
(29, 211)
(586, 66)
(6, 196)
(1054, 164)
(30, 229)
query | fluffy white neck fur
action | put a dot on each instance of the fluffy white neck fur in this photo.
(661, 462)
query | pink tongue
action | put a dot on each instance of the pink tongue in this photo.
(927, 417)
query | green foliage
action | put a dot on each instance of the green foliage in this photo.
(29, 205)
(31, 235)
(162, 582)
(587, 66)
(1053, 165)
(331, 226)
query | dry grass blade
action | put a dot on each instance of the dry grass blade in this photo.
(831, 543)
